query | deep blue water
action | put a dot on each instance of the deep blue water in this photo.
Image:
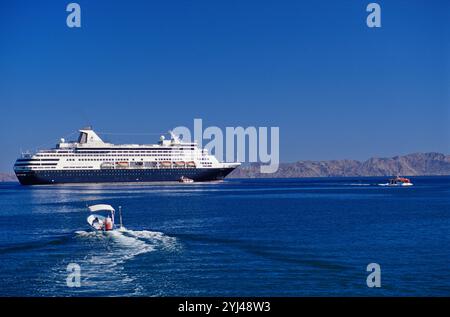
(294, 237)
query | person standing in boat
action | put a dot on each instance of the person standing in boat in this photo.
(108, 225)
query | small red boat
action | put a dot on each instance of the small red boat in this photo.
(398, 181)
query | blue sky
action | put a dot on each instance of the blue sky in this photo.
(336, 88)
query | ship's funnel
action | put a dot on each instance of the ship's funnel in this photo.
(89, 136)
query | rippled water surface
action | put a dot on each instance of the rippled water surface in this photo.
(309, 237)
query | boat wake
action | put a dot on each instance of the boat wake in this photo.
(105, 254)
(120, 245)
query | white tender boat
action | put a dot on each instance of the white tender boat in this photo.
(185, 180)
(104, 217)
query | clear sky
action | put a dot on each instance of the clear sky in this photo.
(336, 88)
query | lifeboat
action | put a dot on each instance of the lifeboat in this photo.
(179, 164)
(122, 164)
(165, 164)
(136, 164)
(107, 165)
(150, 164)
(190, 164)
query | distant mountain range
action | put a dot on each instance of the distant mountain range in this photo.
(7, 177)
(408, 165)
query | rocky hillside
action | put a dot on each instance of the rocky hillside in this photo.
(409, 165)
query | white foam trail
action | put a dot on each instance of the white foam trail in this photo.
(126, 244)
(155, 237)
(102, 266)
(86, 234)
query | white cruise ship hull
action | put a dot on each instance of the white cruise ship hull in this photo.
(46, 177)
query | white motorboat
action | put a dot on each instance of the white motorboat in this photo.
(398, 181)
(104, 217)
(185, 180)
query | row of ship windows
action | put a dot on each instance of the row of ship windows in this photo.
(121, 155)
(35, 167)
(83, 151)
(115, 153)
(74, 167)
(107, 160)
(160, 172)
(125, 158)
(129, 151)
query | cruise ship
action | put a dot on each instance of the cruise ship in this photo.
(91, 160)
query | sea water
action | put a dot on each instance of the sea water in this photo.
(268, 237)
